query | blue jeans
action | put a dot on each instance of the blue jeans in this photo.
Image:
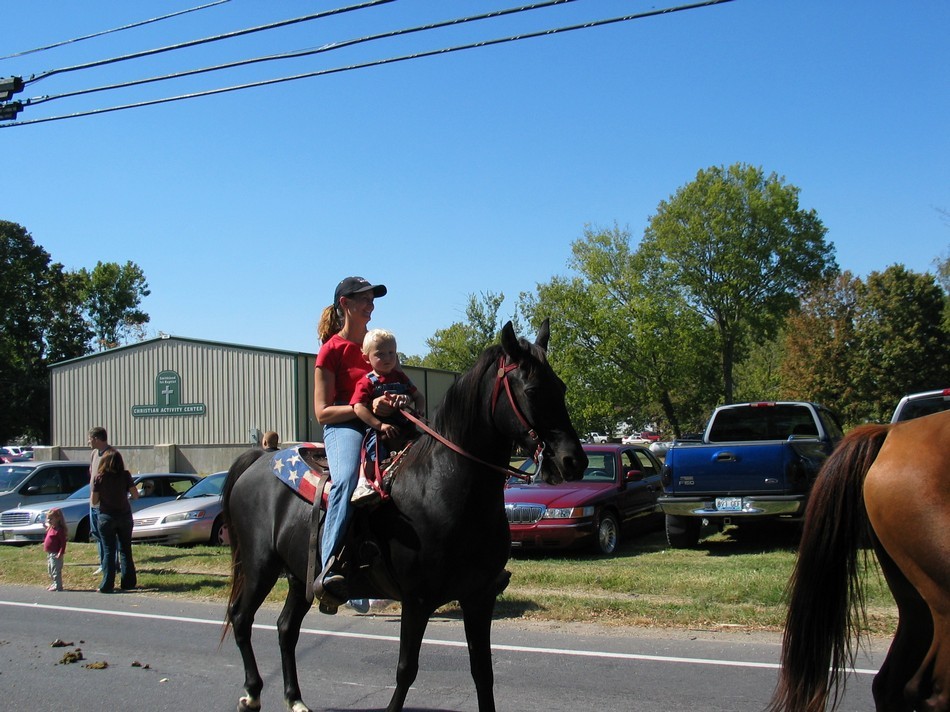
(343, 445)
(113, 530)
(94, 532)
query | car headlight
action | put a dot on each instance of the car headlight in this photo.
(568, 512)
(185, 516)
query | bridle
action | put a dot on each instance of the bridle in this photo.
(501, 377)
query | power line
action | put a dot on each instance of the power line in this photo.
(301, 53)
(205, 40)
(116, 29)
(376, 63)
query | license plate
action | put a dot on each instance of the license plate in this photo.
(729, 504)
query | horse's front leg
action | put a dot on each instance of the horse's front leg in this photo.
(415, 618)
(477, 614)
(288, 633)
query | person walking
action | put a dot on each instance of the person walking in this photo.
(99, 442)
(110, 492)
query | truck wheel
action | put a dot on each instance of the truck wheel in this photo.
(608, 534)
(682, 532)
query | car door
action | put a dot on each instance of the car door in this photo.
(641, 493)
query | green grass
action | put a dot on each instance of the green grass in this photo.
(733, 580)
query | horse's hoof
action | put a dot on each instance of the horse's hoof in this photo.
(246, 704)
(299, 706)
(328, 608)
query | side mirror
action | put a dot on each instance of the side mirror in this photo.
(633, 475)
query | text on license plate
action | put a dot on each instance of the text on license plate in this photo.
(729, 504)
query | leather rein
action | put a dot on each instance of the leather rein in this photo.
(501, 377)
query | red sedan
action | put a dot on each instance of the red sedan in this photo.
(617, 493)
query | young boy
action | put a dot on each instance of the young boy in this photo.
(388, 380)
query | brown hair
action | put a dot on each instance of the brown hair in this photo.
(111, 463)
(60, 521)
(331, 321)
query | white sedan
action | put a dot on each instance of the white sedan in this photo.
(194, 518)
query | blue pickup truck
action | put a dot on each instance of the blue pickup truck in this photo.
(756, 461)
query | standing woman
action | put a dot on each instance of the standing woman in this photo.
(339, 367)
(111, 490)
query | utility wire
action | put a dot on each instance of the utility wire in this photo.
(300, 53)
(116, 29)
(391, 60)
(205, 40)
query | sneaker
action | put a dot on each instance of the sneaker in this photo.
(97, 571)
(360, 605)
(52, 587)
(363, 495)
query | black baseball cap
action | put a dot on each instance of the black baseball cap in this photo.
(355, 285)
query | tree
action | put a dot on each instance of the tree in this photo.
(626, 349)
(47, 315)
(902, 341)
(821, 347)
(112, 296)
(458, 346)
(738, 249)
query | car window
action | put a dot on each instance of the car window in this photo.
(178, 486)
(11, 476)
(641, 461)
(45, 481)
(600, 467)
(75, 477)
(924, 406)
(81, 493)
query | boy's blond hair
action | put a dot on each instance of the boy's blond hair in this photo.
(377, 336)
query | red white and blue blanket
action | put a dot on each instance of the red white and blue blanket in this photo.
(291, 467)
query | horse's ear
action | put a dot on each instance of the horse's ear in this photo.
(509, 341)
(544, 333)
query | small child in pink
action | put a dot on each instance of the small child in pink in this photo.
(55, 547)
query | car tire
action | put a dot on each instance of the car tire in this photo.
(682, 532)
(82, 531)
(216, 533)
(608, 534)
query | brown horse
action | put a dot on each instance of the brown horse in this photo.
(895, 478)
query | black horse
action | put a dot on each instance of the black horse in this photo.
(443, 536)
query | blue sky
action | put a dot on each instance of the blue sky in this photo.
(465, 173)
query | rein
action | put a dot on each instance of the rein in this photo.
(500, 377)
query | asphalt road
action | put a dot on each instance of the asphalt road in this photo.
(347, 661)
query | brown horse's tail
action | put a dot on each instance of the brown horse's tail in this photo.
(826, 598)
(237, 469)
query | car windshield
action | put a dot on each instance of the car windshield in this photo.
(209, 486)
(11, 476)
(600, 467)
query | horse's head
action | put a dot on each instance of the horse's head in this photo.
(536, 412)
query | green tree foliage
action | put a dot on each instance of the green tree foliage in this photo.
(458, 346)
(47, 315)
(901, 337)
(626, 350)
(859, 346)
(112, 297)
(820, 348)
(738, 249)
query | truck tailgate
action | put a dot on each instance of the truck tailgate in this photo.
(730, 468)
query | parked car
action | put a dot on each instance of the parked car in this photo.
(27, 523)
(597, 437)
(29, 481)
(617, 493)
(194, 518)
(918, 404)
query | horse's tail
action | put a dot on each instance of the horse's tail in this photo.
(826, 597)
(238, 467)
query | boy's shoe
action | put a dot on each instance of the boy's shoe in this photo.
(52, 587)
(360, 605)
(364, 495)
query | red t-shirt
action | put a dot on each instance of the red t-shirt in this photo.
(345, 360)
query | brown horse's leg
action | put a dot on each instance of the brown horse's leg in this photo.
(909, 647)
(288, 632)
(477, 614)
(415, 618)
